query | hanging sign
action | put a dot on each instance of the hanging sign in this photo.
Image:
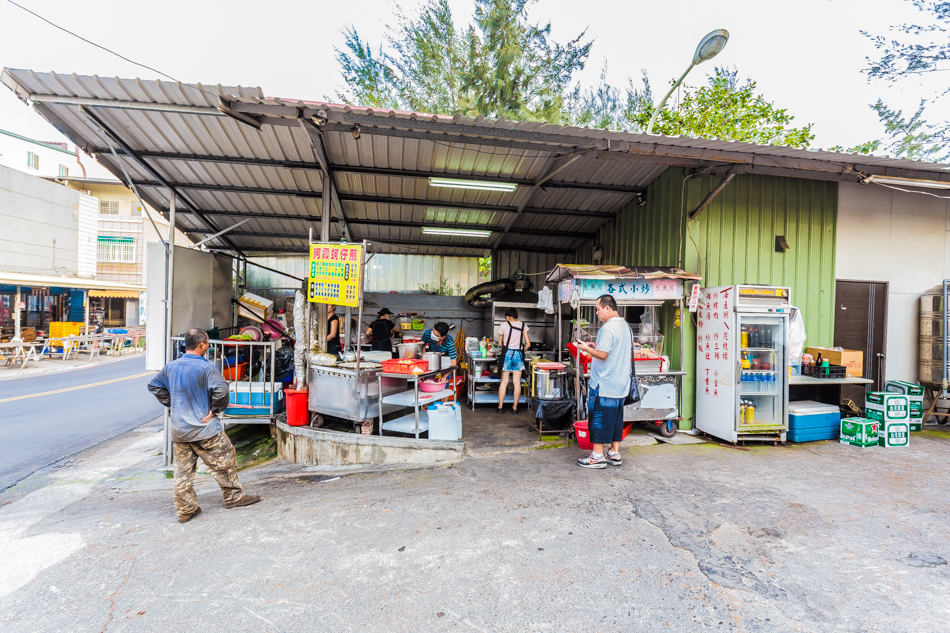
(694, 297)
(632, 289)
(335, 274)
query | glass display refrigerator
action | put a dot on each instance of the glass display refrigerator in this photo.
(742, 363)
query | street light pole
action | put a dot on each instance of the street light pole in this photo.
(708, 47)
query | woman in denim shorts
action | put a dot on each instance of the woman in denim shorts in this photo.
(513, 338)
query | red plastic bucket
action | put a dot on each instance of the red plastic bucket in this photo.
(298, 413)
(583, 436)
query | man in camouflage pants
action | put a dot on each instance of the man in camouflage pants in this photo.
(196, 392)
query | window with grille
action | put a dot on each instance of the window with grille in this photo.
(116, 250)
(63, 171)
(32, 160)
(109, 207)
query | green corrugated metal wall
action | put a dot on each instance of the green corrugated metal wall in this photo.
(733, 242)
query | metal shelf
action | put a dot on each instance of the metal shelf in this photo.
(407, 424)
(492, 396)
(496, 380)
(408, 398)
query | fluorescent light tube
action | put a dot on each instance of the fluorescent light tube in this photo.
(909, 182)
(455, 232)
(452, 183)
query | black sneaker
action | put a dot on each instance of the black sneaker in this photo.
(614, 459)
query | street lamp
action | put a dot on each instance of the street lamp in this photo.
(709, 47)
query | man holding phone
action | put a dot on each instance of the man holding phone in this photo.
(609, 383)
(196, 393)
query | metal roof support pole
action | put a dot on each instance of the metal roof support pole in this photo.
(712, 194)
(154, 172)
(552, 168)
(221, 232)
(329, 188)
(169, 293)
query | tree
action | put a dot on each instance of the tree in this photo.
(502, 66)
(919, 50)
(723, 109)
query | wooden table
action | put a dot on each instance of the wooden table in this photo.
(22, 353)
(818, 389)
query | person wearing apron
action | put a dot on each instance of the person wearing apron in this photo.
(513, 338)
(380, 331)
(334, 340)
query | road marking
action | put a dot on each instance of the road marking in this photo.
(92, 384)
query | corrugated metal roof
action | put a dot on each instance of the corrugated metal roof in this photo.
(230, 153)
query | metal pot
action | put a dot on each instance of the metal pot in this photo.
(349, 357)
(409, 350)
(434, 359)
(544, 384)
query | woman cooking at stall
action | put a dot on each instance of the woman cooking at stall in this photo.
(380, 331)
(334, 340)
(513, 338)
(437, 340)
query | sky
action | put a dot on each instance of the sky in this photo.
(807, 56)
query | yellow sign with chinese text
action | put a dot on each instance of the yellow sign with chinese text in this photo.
(335, 274)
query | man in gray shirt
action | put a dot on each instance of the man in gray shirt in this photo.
(609, 383)
(196, 393)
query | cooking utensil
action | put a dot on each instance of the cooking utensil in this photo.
(435, 360)
(349, 357)
(409, 350)
(254, 332)
(544, 384)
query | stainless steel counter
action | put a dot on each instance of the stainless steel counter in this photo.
(345, 394)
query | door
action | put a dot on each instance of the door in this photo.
(861, 324)
(763, 371)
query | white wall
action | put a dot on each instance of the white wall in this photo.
(903, 239)
(88, 217)
(39, 225)
(14, 149)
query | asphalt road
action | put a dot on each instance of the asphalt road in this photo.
(46, 418)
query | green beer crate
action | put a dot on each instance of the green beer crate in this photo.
(915, 397)
(859, 432)
(894, 434)
(904, 387)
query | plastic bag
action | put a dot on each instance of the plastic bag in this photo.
(796, 337)
(546, 300)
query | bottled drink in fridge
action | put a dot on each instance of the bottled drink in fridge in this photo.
(745, 336)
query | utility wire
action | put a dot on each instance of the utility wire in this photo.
(111, 52)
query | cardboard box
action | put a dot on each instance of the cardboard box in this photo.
(894, 434)
(852, 360)
(255, 307)
(859, 432)
(915, 396)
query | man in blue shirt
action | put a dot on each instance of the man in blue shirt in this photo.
(609, 383)
(437, 340)
(196, 393)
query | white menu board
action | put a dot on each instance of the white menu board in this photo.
(716, 355)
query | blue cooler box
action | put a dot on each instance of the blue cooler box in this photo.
(253, 398)
(810, 421)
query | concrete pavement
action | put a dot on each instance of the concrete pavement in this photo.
(815, 537)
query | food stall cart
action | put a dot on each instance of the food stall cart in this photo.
(482, 388)
(638, 292)
(358, 388)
